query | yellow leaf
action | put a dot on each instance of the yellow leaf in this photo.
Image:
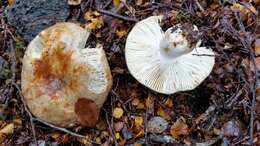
(118, 113)
(116, 2)
(139, 121)
(8, 129)
(98, 140)
(11, 2)
(121, 33)
(56, 135)
(95, 20)
(117, 136)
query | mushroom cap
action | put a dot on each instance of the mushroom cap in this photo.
(157, 72)
(60, 77)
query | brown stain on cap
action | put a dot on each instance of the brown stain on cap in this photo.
(87, 112)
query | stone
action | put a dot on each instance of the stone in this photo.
(30, 17)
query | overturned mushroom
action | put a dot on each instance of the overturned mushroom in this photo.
(167, 62)
(63, 82)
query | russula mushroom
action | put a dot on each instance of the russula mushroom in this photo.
(167, 62)
(64, 83)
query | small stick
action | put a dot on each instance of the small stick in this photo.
(199, 6)
(28, 112)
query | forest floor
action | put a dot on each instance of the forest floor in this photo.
(223, 110)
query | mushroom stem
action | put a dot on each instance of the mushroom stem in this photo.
(174, 43)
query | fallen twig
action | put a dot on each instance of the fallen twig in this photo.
(199, 6)
(28, 112)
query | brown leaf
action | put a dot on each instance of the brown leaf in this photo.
(169, 103)
(179, 128)
(257, 47)
(87, 112)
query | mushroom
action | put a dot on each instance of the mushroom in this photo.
(167, 62)
(64, 83)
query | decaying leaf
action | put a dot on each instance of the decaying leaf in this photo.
(87, 112)
(257, 47)
(8, 129)
(116, 2)
(11, 2)
(139, 120)
(95, 20)
(5, 131)
(169, 103)
(164, 114)
(179, 128)
(121, 33)
(149, 102)
(245, 12)
(118, 112)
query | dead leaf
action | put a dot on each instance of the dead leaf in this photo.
(95, 20)
(87, 112)
(179, 128)
(141, 105)
(117, 135)
(11, 2)
(116, 2)
(121, 33)
(118, 112)
(169, 103)
(135, 101)
(149, 102)
(8, 129)
(5, 131)
(163, 114)
(138, 120)
(257, 47)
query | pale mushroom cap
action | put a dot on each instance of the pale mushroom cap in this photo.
(58, 70)
(157, 72)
